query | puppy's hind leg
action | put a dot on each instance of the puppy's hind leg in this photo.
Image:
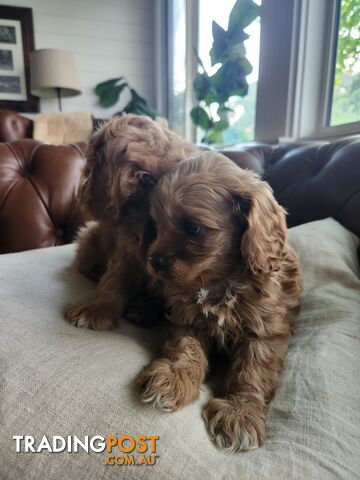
(123, 278)
(96, 242)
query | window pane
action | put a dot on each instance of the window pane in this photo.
(178, 67)
(242, 121)
(345, 106)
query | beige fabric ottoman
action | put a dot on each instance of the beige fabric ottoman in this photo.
(59, 380)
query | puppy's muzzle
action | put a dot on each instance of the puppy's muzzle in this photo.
(158, 262)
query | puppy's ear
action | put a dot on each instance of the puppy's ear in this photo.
(110, 179)
(134, 182)
(129, 183)
(264, 226)
(95, 181)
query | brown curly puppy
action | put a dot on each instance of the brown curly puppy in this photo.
(231, 281)
(125, 160)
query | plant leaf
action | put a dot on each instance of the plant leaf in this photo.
(242, 91)
(237, 51)
(136, 97)
(212, 96)
(110, 97)
(219, 46)
(242, 14)
(230, 80)
(138, 105)
(237, 35)
(214, 137)
(201, 86)
(201, 118)
(103, 86)
(223, 123)
(246, 66)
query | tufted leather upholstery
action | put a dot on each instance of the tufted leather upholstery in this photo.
(312, 181)
(38, 191)
(39, 185)
(14, 126)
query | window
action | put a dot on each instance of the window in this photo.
(190, 29)
(177, 65)
(305, 82)
(345, 101)
(242, 121)
(325, 94)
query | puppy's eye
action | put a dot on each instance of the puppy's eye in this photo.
(192, 228)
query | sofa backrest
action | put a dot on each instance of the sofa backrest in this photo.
(14, 126)
(312, 181)
(38, 194)
(39, 187)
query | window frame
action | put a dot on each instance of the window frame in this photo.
(296, 70)
(312, 72)
(163, 40)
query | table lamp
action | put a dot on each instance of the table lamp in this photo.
(53, 73)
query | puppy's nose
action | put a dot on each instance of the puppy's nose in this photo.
(158, 262)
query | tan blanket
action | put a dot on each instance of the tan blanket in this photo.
(56, 379)
(63, 128)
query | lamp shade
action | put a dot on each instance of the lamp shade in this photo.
(52, 70)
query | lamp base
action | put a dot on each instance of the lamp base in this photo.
(58, 92)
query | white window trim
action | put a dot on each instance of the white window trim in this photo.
(315, 26)
(160, 39)
(192, 41)
(164, 59)
(295, 71)
(274, 69)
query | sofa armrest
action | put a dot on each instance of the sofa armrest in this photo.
(14, 126)
(38, 194)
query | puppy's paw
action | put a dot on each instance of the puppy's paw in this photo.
(91, 315)
(165, 386)
(234, 425)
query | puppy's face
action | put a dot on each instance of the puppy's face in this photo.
(209, 217)
(197, 229)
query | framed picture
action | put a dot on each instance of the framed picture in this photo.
(16, 43)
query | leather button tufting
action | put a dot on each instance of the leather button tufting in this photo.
(38, 185)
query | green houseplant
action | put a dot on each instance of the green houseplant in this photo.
(109, 94)
(229, 51)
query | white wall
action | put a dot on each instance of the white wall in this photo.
(109, 38)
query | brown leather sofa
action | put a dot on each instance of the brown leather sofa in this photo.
(38, 194)
(14, 126)
(39, 185)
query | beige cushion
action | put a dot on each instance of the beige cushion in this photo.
(59, 380)
(59, 128)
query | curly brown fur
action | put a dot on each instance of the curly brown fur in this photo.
(125, 159)
(231, 280)
(95, 242)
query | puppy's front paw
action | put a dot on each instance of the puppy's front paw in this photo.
(91, 315)
(165, 386)
(234, 425)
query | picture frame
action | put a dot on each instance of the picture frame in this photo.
(16, 43)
